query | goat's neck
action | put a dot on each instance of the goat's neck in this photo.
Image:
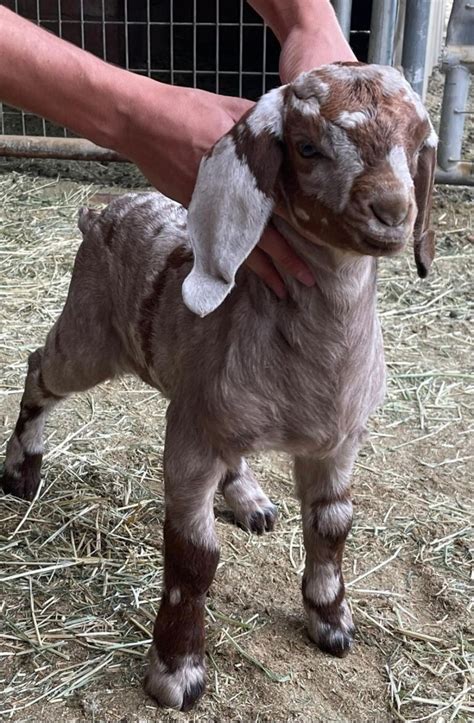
(345, 279)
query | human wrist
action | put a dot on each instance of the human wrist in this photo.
(283, 17)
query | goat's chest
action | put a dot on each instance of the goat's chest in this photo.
(333, 398)
(300, 398)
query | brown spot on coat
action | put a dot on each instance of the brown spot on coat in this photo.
(262, 153)
(177, 258)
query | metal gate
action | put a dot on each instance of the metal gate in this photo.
(223, 46)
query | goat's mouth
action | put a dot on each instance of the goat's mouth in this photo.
(381, 247)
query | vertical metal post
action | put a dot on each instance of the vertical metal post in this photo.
(415, 42)
(343, 10)
(382, 31)
(451, 127)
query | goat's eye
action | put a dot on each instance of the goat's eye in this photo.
(307, 150)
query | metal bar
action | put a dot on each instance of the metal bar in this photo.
(451, 127)
(343, 9)
(194, 44)
(171, 43)
(78, 149)
(462, 174)
(217, 47)
(264, 59)
(126, 36)
(148, 39)
(241, 45)
(382, 31)
(73, 149)
(415, 42)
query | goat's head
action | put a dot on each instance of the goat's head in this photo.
(347, 151)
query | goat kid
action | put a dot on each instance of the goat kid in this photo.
(347, 154)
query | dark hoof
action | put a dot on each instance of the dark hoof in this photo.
(24, 483)
(263, 520)
(337, 642)
(192, 695)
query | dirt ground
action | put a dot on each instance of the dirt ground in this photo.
(81, 568)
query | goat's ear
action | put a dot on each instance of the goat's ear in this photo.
(233, 201)
(86, 218)
(423, 236)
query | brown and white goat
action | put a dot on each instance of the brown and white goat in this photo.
(347, 154)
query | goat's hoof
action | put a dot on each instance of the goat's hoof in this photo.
(22, 480)
(333, 637)
(177, 687)
(262, 520)
(259, 518)
(336, 641)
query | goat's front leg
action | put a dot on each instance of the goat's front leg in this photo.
(176, 672)
(323, 488)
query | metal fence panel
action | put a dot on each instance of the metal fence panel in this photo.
(219, 46)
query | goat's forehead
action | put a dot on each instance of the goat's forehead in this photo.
(363, 100)
(337, 90)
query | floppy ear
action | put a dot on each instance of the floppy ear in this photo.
(423, 235)
(233, 201)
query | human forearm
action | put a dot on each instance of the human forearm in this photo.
(164, 129)
(48, 76)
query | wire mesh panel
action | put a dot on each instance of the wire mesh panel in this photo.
(217, 45)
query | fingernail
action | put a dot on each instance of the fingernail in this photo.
(306, 278)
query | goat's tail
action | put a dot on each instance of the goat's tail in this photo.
(86, 218)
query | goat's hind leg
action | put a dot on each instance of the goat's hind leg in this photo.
(24, 452)
(79, 353)
(250, 505)
(323, 488)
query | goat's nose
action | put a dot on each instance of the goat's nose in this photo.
(391, 210)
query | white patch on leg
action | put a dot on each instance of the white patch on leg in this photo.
(197, 522)
(175, 596)
(169, 688)
(334, 518)
(323, 582)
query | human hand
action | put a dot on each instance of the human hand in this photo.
(171, 128)
(169, 153)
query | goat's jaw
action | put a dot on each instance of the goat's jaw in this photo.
(376, 247)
